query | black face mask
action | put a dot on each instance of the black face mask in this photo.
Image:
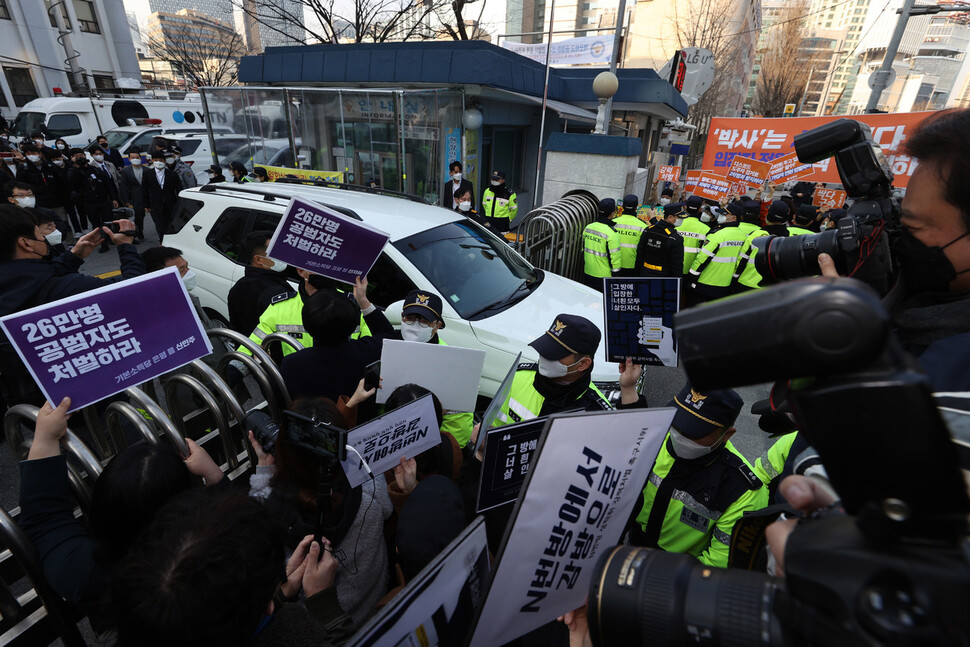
(925, 269)
(50, 250)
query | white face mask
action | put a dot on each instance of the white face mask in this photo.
(496, 182)
(416, 332)
(687, 449)
(721, 220)
(664, 202)
(465, 206)
(61, 147)
(98, 158)
(553, 368)
(58, 162)
(678, 222)
(456, 177)
(189, 280)
(705, 217)
(159, 165)
(169, 160)
(211, 175)
(33, 158)
(27, 202)
(54, 238)
(39, 142)
(136, 161)
(277, 266)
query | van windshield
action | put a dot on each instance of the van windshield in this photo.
(28, 123)
(118, 138)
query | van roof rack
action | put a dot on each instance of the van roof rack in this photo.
(352, 187)
(268, 196)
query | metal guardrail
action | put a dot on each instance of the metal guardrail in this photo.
(552, 235)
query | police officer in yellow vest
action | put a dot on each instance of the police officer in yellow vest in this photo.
(804, 218)
(713, 269)
(746, 275)
(629, 228)
(601, 247)
(499, 205)
(699, 486)
(693, 231)
(420, 322)
(561, 381)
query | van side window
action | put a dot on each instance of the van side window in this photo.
(63, 126)
(233, 225)
(185, 208)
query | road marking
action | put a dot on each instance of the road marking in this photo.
(108, 275)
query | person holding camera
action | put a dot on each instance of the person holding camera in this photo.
(700, 485)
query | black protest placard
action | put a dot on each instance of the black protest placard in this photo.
(508, 455)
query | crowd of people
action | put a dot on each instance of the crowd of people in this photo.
(171, 552)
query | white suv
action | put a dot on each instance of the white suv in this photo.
(493, 299)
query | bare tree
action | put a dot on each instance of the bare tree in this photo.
(785, 64)
(455, 25)
(204, 56)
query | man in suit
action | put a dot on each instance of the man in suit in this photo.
(101, 161)
(160, 189)
(131, 192)
(457, 183)
(110, 154)
(95, 191)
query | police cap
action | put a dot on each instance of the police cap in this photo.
(806, 214)
(425, 304)
(607, 206)
(700, 414)
(674, 209)
(498, 175)
(631, 201)
(238, 166)
(694, 204)
(568, 335)
(735, 209)
(777, 212)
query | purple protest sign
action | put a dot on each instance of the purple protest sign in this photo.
(99, 343)
(324, 241)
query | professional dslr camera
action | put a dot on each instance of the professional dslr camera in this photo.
(894, 569)
(860, 243)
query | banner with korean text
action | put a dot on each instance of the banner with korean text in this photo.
(828, 198)
(99, 343)
(747, 172)
(321, 240)
(276, 172)
(578, 495)
(712, 187)
(668, 173)
(768, 139)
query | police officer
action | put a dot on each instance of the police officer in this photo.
(700, 486)
(803, 219)
(420, 322)
(601, 247)
(693, 231)
(173, 160)
(713, 268)
(630, 228)
(263, 279)
(499, 203)
(561, 381)
(746, 276)
(661, 248)
(239, 173)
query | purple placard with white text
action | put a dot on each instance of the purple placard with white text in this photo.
(93, 345)
(323, 241)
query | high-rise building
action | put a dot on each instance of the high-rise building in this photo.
(262, 23)
(571, 18)
(221, 10)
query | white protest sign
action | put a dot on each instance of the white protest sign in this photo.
(438, 606)
(576, 500)
(451, 373)
(495, 406)
(406, 431)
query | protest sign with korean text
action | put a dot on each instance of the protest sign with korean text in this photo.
(828, 198)
(405, 431)
(748, 172)
(98, 343)
(450, 372)
(639, 315)
(768, 139)
(495, 406)
(508, 454)
(713, 187)
(276, 172)
(668, 173)
(690, 180)
(574, 506)
(323, 241)
(438, 606)
(788, 169)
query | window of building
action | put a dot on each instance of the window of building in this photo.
(84, 10)
(4, 12)
(103, 81)
(21, 85)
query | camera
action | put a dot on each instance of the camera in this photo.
(264, 429)
(325, 441)
(894, 569)
(860, 244)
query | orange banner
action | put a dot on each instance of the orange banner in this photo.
(748, 171)
(669, 173)
(690, 181)
(828, 198)
(714, 187)
(787, 168)
(766, 140)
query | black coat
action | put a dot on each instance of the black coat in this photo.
(112, 155)
(805, 188)
(250, 296)
(48, 183)
(448, 193)
(160, 199)
(91, 184)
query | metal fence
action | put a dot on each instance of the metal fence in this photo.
(552, 235)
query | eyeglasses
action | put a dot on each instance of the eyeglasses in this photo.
(421, 321)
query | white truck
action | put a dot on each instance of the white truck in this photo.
(78, 120)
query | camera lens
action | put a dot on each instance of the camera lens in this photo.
(640, 596)
(781, 258)
(264, 428)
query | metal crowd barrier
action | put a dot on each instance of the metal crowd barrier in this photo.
(552, 235)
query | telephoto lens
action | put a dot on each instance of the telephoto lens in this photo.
(264, 428)
(640, 596)
(781, 258)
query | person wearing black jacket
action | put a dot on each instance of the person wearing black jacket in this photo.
(110, 154)
(457, 183)
(802, 192)
(160, 187)
(335, 364)
(94, 190)
(30, 276)
(264, 279)
(48, 183)
(132, 177)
